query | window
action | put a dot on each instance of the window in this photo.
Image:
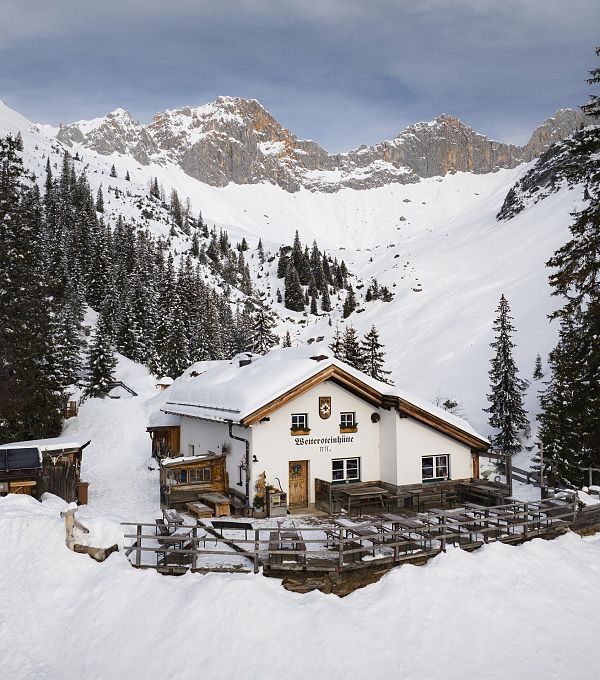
(194, 476)
(348, 421)
(299, 422)
(435, 467)
(345, 470)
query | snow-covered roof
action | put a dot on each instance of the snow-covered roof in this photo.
(168, 462)
(161, 419)
(55, 444)
(231, 391)
(165, 380)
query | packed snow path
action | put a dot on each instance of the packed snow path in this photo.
(122, 487)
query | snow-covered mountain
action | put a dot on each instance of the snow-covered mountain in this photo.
(435, 242)
(237, 140)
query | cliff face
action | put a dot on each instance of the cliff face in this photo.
(237, 140)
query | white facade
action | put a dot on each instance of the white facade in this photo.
(390, 449)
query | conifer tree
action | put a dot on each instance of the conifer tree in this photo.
(538, 373)
(99, 201)
(570, 417)
(127, 177)
(30, 394)
(349, 303)
(325, 298)
(287, 340)
(337, 346)
(101, 361)
(373, 356)
(507, 414)
(351, 348)
(113, 171)
(294, 295)
(263, 338)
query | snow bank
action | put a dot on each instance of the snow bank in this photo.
(494, 612)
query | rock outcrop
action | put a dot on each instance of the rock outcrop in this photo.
(237, 140)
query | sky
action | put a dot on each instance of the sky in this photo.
(341, 72)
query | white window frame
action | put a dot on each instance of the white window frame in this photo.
(344, 462)
(435, 460)
(298, 417)
(352, 415)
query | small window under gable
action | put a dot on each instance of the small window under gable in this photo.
(299, 423)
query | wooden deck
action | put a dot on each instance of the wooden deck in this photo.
(342, 545)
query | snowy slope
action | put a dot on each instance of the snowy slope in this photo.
(436, 244)
(495, 612)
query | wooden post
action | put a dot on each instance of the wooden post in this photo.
(575, 507)
(194, 547)
(443, 539)
(341, 550)
(138, 549)
(256, 548)
(526, 525)
(542, 475)
(486, 525)
(509, 478)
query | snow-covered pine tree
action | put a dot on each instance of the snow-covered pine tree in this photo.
(113, 171)
(294, 295)
(337, 346)
(263, 338)
(101, 361)
(99, 200)
(351, 348)
(372, 356)
(507, 413)
(287, 340)
(325, 298)
(30, 394)
(349, 303)
(127, 176)
(538, 373)
(570, 417)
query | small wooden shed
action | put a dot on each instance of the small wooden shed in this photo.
(43, 465)
(183, 480)
(164, 430)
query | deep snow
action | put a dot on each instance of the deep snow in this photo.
(501, 612)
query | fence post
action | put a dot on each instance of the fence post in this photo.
(341, 550)
(138, 542)
(256, 548)
(194, 547)
(443, 539)
(486, 525)
(575, 506)
(526, 520)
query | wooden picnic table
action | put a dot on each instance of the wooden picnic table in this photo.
(362, 494)
(172, 517)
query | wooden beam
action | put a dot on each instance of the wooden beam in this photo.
(337, 375)
(441, 425)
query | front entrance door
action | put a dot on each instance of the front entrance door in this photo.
(298, 487)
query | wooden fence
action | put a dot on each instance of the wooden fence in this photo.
(341, 547)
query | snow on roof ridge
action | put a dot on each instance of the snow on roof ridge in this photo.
(224, 390)
(50, 444)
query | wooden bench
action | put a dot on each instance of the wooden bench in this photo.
(218, 502)
(199, 509)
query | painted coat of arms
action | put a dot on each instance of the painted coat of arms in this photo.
(324, 407)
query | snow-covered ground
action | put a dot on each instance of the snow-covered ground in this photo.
(502, 612)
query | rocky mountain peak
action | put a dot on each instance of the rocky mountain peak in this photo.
(233, 139)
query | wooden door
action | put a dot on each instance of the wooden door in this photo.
(298, 486)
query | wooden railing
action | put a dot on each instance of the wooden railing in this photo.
(341, 548)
